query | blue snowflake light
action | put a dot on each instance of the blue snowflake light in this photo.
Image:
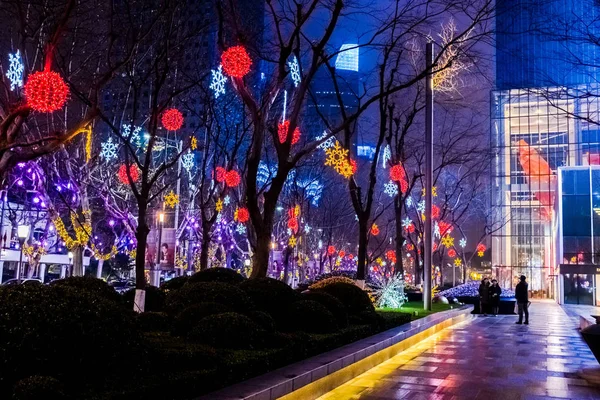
(462, 242)
(406, 222)
(226, 200)
(240, 229)
(218, 80)
(109, 150)
(295, 71)
(135, 139)
(391, 189)
(187, 161)
(421, 206)
(15, 70)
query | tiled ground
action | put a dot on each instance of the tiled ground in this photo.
(485, 358)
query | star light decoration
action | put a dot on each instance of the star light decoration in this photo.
(448, 241)
(187, 161)
(295, 71)
(292, 242)
(194, 143)
(240, 229)
(109, 150)
(462, 242)
(218, 80)
(219, 205)
(391, 189)
(457, 262)
(15, 70)
(171, 199)
(406, 222)
(480, 253)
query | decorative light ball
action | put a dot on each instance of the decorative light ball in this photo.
(293, 224)
(282, 131)
(391, 255)
(232, 178)
(220, 174)
(331, 250)
(410, 228)
(243, 215)
(342, 254)
(374, 230)
(481, 247)
(46, 91)
(451, 253)
(133, 171)
(236, 61)
(397, 173)
(351, 256)
(172, 119)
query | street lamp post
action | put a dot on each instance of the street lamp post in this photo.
(70, 255)
(23, 234)
(156, 277)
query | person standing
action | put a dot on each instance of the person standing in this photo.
(495, 292)
(522, 296)
(484, 296)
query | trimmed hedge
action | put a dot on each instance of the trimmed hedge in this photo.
(91, 285)
(351, 296)
(175, 283)
(311, 317)
(230, 330)
(223, 275)
(270, 295)
(205, 292)
(153, 322)
(264, 320)
(39, 388)
(155, 299)
(334, 279)
(331, 303)
(191, 316)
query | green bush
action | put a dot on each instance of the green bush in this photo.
(39, 388)
(175, 283)
(189, 317)
(153, 322)
(229, 330)
(205, 292)
(223, 275)
(155, 299)
(370, 318)
(270, 295)
(331, 303)
(329, 281)
(174, 354)
(263, 319)
(352, 297)
(91, 285)
(60, 331)
(311, 317)
(392, 319)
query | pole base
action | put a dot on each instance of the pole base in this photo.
(139, 302)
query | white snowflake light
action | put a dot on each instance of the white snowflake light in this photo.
(226, 200)
(406, 222)
(295, 71)
(217, 83)
(391, 189)
(15, 70)
(409, 201)
(462, 242)
(289, 232)
(436, 230)
(187, 161)
(135, 136)
(421, 206)
(387, 156)
(307, 229)
(240, 228)
(219, 218)
(326, 144)
(109, 150)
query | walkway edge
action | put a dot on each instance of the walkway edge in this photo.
(313, 377)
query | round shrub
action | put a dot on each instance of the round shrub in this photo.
(153, 322)
(204, 292)
(223, 275)
(39, 388)
(91, 285)
(229, 330)
(263, 319)
(335, 279)
(191, 316)
(370, 318)
(269, 295)
(60, 331)
(155, 299)
(175, 283)
(310, 316)
(332, 304)
(352, 297)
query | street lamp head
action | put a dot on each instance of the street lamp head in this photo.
(161, 217)
(23, 231)
(70, 255)
(247, 262)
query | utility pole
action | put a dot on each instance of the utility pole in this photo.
(428, 237)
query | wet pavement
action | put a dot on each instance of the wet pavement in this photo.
(486, 358)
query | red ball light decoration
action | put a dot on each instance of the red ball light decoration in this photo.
(444, 228)
(243, 215)
(331, 250)
(481, 247)
(375, 230)
(342, 254)
(232, 178)
(410, 228)
(391, 255)
(236, 61)
(351, 256)
(282, 131)
(46, 91)
(293, 224)
(397, 173)
(134, 172)
(410, 247)
(220, 174)
(172, 119)
(451, 253)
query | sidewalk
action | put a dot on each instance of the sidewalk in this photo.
(486, 358)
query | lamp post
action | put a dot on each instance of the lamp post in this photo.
(70, 255)
(23, 234)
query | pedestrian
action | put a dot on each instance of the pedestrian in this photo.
(521, 294)
(484, 296)
(495, 292)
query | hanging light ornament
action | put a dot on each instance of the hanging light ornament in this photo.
(46, 91)
(236, 61)
(220, 174)
(282, 131)
(293, 224)
(451, 253)
(391, 255)
(232, 178)
(435, 211)
(330, 250)
(397, 173)
(374, 230)
(172, 119)
(241, 215)
(134, 172)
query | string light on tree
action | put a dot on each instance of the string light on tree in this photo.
(462, 242)
(295, 71)
(218, 80)
(171, 199)
(387, 156)
(15, 70)
(436, 230)
(172, 119)
(236, 62)
(136, 138)
(109, 150)
(421, 206)
(134, 172)
(409, 201)
(330, 142)
(46, 91)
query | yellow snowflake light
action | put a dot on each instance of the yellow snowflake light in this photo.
(345, 169)
(480, 253)
(171, 199)
(292, 241)
(219, 205)
(337, 156)
(457, 262)
(194, 143)
(297, 211)
(433, 191)
(448, 241)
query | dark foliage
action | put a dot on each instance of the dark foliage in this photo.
(175, 283)
(39, 388)
(331, 303)
(204, 292)
(270, 295)
(229, 330)
(309, 316)
(153, 322)
(264, 320)
(91, 285)
(223, 275)
(351, 296)
(191, 316)
(155, 299)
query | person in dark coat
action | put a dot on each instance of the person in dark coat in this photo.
(522, 296)
(495, 292)
(484, 296)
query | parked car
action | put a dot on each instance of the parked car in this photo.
(25, 281)
(122, 286)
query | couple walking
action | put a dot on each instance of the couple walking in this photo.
(489, 296)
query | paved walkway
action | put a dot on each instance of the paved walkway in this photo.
(485, 358)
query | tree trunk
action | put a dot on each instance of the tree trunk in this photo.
(399, 239)
(363, 241)
(260, 258)
(204, 250)
(141, 235)
(78, 269)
